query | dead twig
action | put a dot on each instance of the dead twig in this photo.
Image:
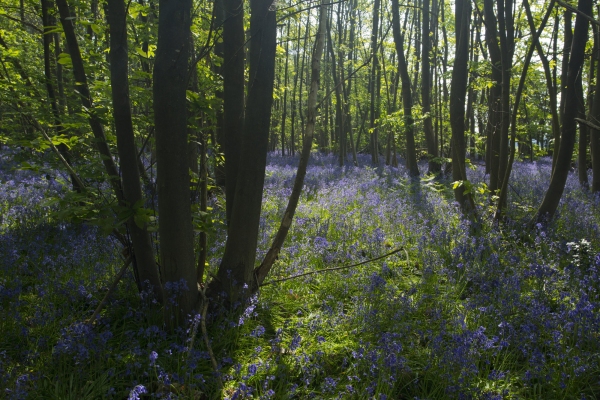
(112, 288)
(336, 268)
(202, 323)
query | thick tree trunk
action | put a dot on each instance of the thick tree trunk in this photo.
(563, 162)
(174, 203)
(233, 95)
(217, 138)
(235, 274)
(143, 253)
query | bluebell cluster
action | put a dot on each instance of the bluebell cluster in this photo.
(460, 313)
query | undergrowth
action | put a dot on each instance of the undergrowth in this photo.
(461, 312)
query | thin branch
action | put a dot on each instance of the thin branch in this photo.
(112, 288)
(202, 321)
(576, 11)
(336, 268)
(595, 127)
(32, 26)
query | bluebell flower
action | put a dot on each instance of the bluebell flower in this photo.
(136, 392)
(153, 357)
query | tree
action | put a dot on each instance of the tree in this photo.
(144, 258)
(171, 70)
(407, 102)
(546, 211)
(235, 274)
(458, 92)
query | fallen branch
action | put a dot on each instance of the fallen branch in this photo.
(336, 268)
(202, 322)
(112, 288)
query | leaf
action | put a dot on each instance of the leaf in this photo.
(96, 28)
(141, 52)
(64, 59)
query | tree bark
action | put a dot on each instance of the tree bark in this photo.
(143, 253)
(434, 164)
(502, 198)
(262, 271)
(411, 153)
(174, 202)
(373, 84)
(458, 92)
(233, 95)
(235, 275)
(83, 90)
(569, 127)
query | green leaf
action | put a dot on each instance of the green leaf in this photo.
(64, 59)
(96, 28)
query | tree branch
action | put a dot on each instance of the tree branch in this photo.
(336, 268)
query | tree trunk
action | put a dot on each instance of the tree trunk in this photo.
(434, 164)
(373, 84)
(86, 100)
(143, 253)
(568, 132)
(174, 203)
(233, 95)
(595, 118)
(458, 92)
(261, 272)
(502, 198)
(411, 153)
(285, 90)
(235, 274)
(567, 45)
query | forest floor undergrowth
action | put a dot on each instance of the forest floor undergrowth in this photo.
(461, 312)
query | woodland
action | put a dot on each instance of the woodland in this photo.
(299, 199)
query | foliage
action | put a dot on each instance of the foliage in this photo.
(460, 313)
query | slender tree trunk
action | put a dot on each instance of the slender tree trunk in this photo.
(494, 128)
(373, 83)
(434, 164)
(262, 271)
(285, 90)
(502, 199)
(86, 100)
(549, 82)
(340, 114)
(48, 22)
(563, 162)
(583, 137)
(595, 118)
(411, 153)
(458, 92)
(143, 253)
